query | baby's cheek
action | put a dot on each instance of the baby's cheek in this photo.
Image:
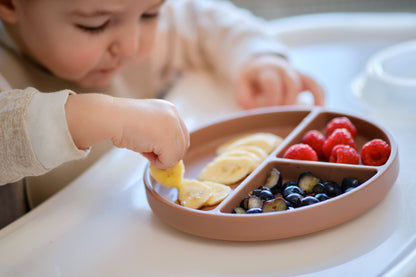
(74, 67)
(147, 43)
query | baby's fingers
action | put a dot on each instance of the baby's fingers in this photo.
(244, 95)
(172, 148)
(292, 87)
(270, 89)
(318, 93)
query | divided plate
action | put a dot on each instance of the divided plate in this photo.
(290, 123)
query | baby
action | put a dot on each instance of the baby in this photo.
(79, 76)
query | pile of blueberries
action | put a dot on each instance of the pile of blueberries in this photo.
(275, 195)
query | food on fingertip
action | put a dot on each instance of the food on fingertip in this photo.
(171, 177)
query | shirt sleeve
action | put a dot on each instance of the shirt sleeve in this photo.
(34, 136)
(213, 34)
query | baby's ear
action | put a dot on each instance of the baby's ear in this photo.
(8, 11)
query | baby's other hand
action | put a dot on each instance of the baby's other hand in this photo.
(269, 80)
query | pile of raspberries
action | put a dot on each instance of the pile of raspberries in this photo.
(338, 146)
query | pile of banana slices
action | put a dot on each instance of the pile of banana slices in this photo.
(234, 161)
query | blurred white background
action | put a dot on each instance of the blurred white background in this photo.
(273, 9)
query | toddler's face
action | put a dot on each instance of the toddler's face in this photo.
(87, 41)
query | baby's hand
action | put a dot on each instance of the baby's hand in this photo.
(151, 127)
(269, 80)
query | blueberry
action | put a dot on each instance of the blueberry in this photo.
(348, 189)
(278, 204)
(290, 205)
(254, 211)
(319, 188)
(266, 195)
(290, 183)
(274, 181)
(244, 203)
(265, 188)
(332, 188)
(308, 200)
(307, 181)
(349, 182)
(322, 196)
(295, 199)
(256, 192)
(254, 202)
(238, 210)
(292, 189)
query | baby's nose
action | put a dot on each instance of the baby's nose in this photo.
(126, 42)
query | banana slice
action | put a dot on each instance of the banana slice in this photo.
(171, 177)
(193, 194)
(266, 141)
(260, 153)
(223, 147)
(218, 192)
(237, 152)
(226, 170)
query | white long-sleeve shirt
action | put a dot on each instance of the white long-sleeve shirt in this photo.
(34, 139)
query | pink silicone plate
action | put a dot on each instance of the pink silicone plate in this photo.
(291, 124)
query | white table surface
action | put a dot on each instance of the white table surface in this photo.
(101, 224)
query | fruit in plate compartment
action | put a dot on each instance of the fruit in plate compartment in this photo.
(239, 210)
(344, 154)
(293, 196)
(307, 181)
(301, 151)
(348, 183)
(266, 195)
(259, 152)
(375, 152)
(266, 141)
(308, 200)
(340, 122)
(226, 170)
(254, 211)
(339, 145)
(193, 194)
(171, 177)
(339, 136)
(319, 188)
(332, 188)
(254, 202)
(321, 197)
(274, 205)
(295, 199)
(239, 157)
(218, 193)
(274, 181)
(255, 160)
(316, 140)
(292, 189)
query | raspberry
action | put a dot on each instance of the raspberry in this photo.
(301, 151)
(315, 139)
(340, 122)
(344, 154)
(339, 136)
(375, 152)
